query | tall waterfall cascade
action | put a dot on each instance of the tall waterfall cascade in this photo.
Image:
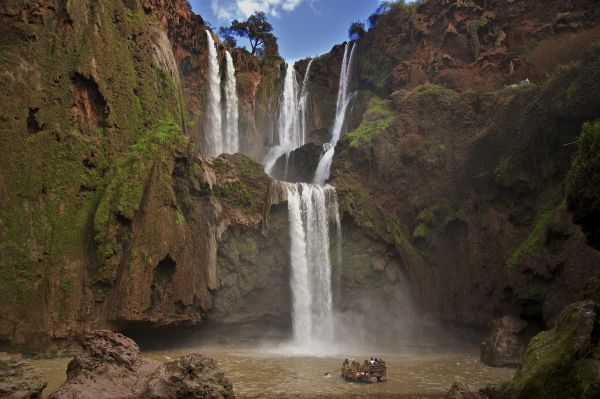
(291, 123)
(343, 100)
(231, 135)
(214, 140)
(303, 105)
(312, 210)
(222, 127)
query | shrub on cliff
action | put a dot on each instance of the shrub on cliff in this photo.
(583, 184)
(356, 30)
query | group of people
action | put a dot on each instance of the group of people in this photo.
(374, 361)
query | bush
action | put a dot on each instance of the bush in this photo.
(357, 30)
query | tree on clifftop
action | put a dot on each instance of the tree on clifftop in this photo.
(357, 29)
(258, 30)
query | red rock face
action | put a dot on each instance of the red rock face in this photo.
(186, 32)
(110, 366)
(471, 45)
(468, 183)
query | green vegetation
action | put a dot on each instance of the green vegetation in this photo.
(257, 30)
(356, 30)
(532, 242)
(239, 195)
(437, 213)
(421, 231)
(511, 92)
(559, 362)
(583, 181)
(66, 286)
(391, 7)
(122, 197)
(430, 89)
(377, 118)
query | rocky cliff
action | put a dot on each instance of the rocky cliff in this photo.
(471, 113)
(108, 217)
(451, 177)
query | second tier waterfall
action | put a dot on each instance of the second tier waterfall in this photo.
(213, 135)
(222, 115)
(291, 121)
(312, 210)
(343, 100)
(231, 139)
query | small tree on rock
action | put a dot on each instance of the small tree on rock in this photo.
(357, 30)
(256, 29)
(227, 37)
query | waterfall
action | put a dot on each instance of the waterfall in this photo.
(288, 132)
(288, 135)
(311, 210)
(303, 110)
(231, 130)
(213, 135)
(343, 100)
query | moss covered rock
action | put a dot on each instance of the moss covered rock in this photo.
(584, 182)
(563, 362)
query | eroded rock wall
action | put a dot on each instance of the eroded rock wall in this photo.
(108, 216)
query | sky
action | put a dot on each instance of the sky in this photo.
(304, 28)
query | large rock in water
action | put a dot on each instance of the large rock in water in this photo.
(461, 391)
(18, 380)
(110, 366)
(190, 376)
(300, 165)
(563, 362)
(504, 346)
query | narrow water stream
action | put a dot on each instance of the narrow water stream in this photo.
(263, 373)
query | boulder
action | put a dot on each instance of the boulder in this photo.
(300, 165)
(563, 362)
(461, 391)
(190, 376)
(18, 380)
(110, 366)
(504, 346)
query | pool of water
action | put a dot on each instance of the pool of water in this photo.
(264, 372)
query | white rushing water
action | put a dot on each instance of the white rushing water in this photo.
(214, 141)
(343, 100)
(292, 115)
(303, 105)
(231, 140)
(311, 210)
(287, 136)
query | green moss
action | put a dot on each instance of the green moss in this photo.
(555, 365)
(122, 197)
(377, 118)
(532, 242)
(583, 181)
(221, 167)
(239, 195)
(66, 287)
(510, 93)
(400, 239)
(436, 213)
(249, 167)
(429, 89)
(421, 231)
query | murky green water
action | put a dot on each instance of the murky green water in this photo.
(263, 373)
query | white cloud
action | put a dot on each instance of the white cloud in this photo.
(228, 9)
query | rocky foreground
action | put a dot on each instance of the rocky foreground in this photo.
(110, 366)
(18, 379)
(563, 362)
